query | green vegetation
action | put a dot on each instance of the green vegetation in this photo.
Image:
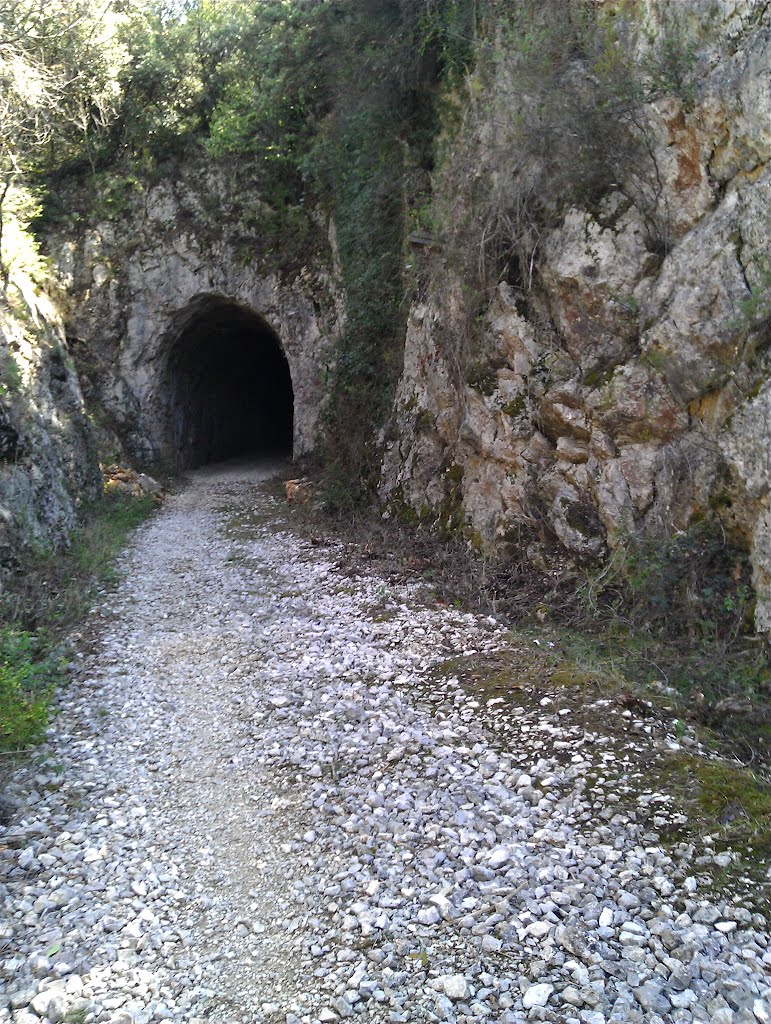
(77, 1015)
(10, 375)
(674, 616)
(734, 802)
(754, 322)
(483, 378)
(515, 407)
(42, 604)
(695, 585)
(722, 806)
(28, 673)
(369, 165)
(56, 589)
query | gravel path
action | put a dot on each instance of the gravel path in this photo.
(247, 813)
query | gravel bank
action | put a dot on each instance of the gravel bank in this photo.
(245, 815)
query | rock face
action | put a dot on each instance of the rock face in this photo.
(619, 382)
(48, 466)
(613, 382)
(151, 287)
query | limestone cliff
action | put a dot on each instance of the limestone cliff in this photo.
(48, 467)
(617, 380)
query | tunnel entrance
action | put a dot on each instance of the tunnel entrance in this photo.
(229, 385)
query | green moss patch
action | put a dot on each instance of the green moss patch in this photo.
(515, 407)
(731, 802)
(482, 378)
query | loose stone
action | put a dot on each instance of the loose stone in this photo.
(256, 804)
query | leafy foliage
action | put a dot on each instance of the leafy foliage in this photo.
(10, 374)
(28, 673)
(697, 580)
(369, 164)
(275, 90)
(59, 90)
(677, 612)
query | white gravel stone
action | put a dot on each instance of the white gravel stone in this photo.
(499, 856)
(454, 986)
(537, 995)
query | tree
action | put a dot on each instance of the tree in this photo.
(56, 90)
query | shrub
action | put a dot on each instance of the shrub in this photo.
(10, 375)
(29, 671)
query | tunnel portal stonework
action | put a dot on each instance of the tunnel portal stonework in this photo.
(145, 292)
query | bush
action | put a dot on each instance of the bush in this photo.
(678, 612)
(696, 584)
(29, 670)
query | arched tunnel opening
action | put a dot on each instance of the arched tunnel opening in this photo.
(230, 389)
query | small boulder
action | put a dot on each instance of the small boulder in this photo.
(537, 995)
(299, 491)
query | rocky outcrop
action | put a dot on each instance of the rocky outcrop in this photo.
(609, 389)
(48, 467)
(612, 382)
(139, 276)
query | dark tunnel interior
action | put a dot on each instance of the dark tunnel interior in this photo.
(229, 385)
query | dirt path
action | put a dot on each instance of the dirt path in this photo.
(246, 815)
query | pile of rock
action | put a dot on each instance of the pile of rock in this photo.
(130, 483)
(299, 491)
